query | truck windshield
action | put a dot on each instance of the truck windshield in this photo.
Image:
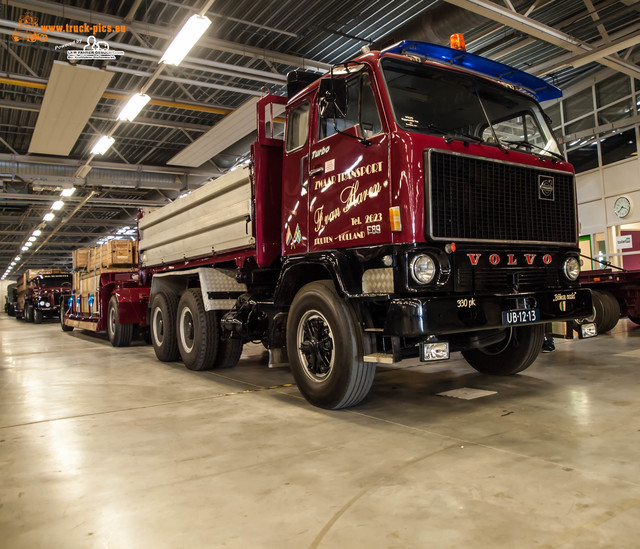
(436, 101)
(52, 281)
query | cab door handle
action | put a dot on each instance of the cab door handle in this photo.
(316, 171)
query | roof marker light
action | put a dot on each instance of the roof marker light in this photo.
(456, 41)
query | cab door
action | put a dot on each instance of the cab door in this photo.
(295, 179)
(349, 193)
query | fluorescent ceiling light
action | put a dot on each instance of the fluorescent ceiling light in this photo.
(57, 205)
(133, 106)
(25, 248)
(49, 216)
(13, 263)
(37, 232)
(103, 144)
(28, 244)
(32, 239)
(68, 192)
(185, 40)
(17, 258)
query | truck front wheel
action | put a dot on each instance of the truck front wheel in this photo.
(28, 313)
(515, 353)
(37, 316)
(164, 307)
(197, 332)
(325, 348)
(120, 335)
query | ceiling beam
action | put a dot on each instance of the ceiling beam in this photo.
(81, 14)
(541, 31)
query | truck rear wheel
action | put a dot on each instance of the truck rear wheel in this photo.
(64, 327)
(120, 335)
(634, 319)
(197, 332)
(164, 311)
(37, 316)
(325, 348)
(229, 349)
(519, 349)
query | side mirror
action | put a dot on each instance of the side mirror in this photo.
(332, 98)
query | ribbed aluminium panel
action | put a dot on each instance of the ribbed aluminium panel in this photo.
(229, 130)
(212, 219)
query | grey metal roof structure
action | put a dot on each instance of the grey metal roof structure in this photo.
(251, 45)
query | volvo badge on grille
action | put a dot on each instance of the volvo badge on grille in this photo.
(546, 187)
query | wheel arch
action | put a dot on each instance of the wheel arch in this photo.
(299, 271)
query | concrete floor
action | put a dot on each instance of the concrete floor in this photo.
(108, 448)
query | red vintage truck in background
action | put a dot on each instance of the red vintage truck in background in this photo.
(417, 205)
(39, 294)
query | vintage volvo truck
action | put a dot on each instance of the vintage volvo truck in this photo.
(417, 204)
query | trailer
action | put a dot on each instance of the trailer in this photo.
(615, 294)
(107, 295)
(416, 205)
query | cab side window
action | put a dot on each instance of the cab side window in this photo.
(297, 126)
(361, 110)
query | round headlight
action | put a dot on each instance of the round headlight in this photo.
(42, 303)
(571, 268)
(423, 269)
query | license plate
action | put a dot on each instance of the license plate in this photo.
(520, 316)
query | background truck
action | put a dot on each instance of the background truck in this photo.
(106, 295)
(10, 299)
(39, 294)
(615, 294)
(416, 205)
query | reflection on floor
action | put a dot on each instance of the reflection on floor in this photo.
(104, 447)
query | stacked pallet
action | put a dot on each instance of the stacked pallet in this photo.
(90, 263)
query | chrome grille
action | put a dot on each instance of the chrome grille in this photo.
(486, 200)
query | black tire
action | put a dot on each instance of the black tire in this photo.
(519, 350)
(229, 350)
(64, 327)
(197, 332)
(120, 335)
(634, 319)
(28, 313)
(162, 326)
(37, 316)
(325, 347)
(612, 311)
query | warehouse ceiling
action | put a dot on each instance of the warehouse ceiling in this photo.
(248, 50)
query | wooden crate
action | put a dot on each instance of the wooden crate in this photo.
(115, 253)
(119, 252)
(81, 258)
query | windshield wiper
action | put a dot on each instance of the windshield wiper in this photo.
(532, 146)
(449, 135)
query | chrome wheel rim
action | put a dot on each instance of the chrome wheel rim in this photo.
(186, 330)
(158, 326)
(315, 346)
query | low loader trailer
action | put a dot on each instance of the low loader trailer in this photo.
(107, 295)
(416, 205)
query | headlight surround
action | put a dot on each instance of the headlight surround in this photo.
(423, 269)
(571, 268)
